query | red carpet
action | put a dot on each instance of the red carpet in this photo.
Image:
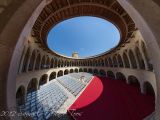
(105, 99)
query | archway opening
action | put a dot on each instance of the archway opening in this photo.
(102, 73)
(148, 89)
(66, 72)
(80, 70)
(132, 80)
(120, 76)
(32, 86)
(90, 70)
(71, 70)
(60, 73)
(52, 76)
(43, 79)
(95, 72)
(76, 70)
(20, 96)
(73, 28)
(110, 75)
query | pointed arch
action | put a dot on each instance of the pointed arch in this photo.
(43, 80)
(132, 59)
(38, 61)
(126, 60)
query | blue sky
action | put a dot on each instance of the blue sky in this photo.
(86, 35)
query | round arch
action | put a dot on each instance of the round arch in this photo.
(110, 62)
(120, 62)
(26, 60)
(85, 70)
(52, 63)
(148, 89)
(126, 60)
(43, 62)
(80, 70)
(20, 95)
(95, 72)
(43, 79)
(60, 73)
(32, 59)
(38, 60)
(144, 49)
(66, 72)
(71, 71)
(102, 73)
(52, 76)
(76, 70)
(33, 85)
(132, 80)
(120, 76)
(139, 58)
(115, 63)
(90, 70)
(110, 74)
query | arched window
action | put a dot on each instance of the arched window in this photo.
(140, 59)
(59, 63)
(106, 62)
(110, 62)
(115, 63)
(85, 69)
(126, 61)
(67, 63)
(66, 72)
(102, 62)
(132, 59)
(96, 63)
(48, 63)
(25, 61)
(52, 63)
(120, 62)
(32, 59)
(62, 63)
(55, 64)
(132, 80)
(148, 89)
(102, 73)
(43, 63)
